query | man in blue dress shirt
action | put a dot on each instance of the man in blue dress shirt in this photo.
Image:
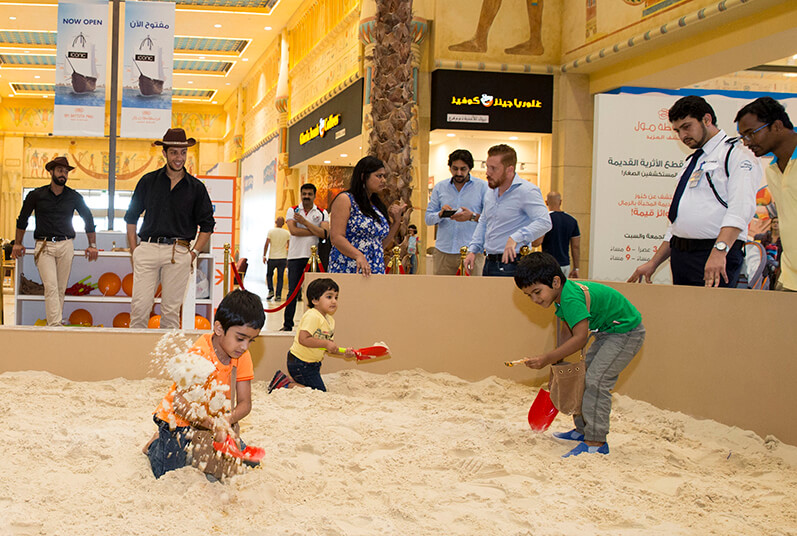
(514, 215)
(463, 194)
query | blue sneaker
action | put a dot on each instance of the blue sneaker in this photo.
(582, 448)
(572, 435)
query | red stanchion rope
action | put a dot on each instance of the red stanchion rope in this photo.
(289, 299)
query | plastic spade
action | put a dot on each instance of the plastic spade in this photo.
(369, 352)
(249, 454)
(542, 412)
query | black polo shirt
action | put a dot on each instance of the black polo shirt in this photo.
(54, 212)
(171, 212)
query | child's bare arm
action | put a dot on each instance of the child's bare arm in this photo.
(307, 340)
(575, 342)
(243, 406)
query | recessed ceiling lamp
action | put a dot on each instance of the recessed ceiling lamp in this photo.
(36, 76)
(512, 137)
(450, 135)
(227, 84)
(215, 102)
(190, 81)
(201, 57)
(12, 18)
(267, 28)
(343, 155)
(217, 25)
(327, 161)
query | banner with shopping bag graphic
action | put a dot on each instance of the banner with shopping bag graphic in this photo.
(81, 50)
(148, 63)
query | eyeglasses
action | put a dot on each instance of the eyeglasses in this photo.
(749, 135)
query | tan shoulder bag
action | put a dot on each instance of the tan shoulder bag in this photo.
(567, 379)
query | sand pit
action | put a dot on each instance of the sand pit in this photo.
(403, 453)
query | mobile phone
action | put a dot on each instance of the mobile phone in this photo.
(447, 213)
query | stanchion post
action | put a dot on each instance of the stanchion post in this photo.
(395, 261)
(226, 287)
(463, 252)
(524, 250)
(314, 259)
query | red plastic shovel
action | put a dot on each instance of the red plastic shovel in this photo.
(249, 454)
(542, 412)
(369, 352)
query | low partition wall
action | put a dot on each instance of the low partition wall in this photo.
(712, 353)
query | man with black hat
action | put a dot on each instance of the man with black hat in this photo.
(54, 205)
(175, 204)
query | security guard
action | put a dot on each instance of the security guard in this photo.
(712, 205)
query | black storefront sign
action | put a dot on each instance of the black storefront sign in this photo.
(476, 100)
(332, 123)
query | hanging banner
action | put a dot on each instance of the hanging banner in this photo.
(81, 50)
(148, 63)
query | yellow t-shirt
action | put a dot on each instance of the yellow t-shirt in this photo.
(319, 326)
(783, 187)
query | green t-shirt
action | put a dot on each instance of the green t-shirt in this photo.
(609, 311)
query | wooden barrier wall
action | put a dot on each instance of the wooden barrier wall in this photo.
(712, 353)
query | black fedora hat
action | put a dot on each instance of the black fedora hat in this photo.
(175, 137)
(58, 161)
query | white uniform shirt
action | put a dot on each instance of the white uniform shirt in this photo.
(299, 247)
(700, 214)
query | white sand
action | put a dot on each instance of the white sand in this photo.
(397, 454)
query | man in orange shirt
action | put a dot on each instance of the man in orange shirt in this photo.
(237, 323)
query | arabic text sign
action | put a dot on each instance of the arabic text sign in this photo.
(148, 64)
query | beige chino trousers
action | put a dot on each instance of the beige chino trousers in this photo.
(448, 263)
(54, 261)
(152, 263)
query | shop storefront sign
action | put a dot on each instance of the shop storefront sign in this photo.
(81, 50)
(325, 124)
(510, 102)
(148, 63)
(331, 124)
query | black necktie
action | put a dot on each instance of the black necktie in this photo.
(679, 191)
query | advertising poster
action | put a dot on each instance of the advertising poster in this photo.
(637, 161)
(258, 209)
(80, 69)
(148, 60)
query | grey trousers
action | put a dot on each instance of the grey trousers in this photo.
(609, 354)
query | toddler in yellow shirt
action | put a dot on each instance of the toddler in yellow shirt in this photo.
(314, 337)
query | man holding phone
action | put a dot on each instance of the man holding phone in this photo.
(455, 207)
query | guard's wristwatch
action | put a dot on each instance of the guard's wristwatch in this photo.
(721, 246)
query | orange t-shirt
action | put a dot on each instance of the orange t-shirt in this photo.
(223, 374)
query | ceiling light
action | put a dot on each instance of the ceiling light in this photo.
(36, 76)
(215, 102)
(512, 137)
(12, 18)
(267, 28)
(343, 155)
(217, 25)
(201, 57)
(227, 84)
(244, 59)
(327, 161)
(190, 81)
(450, 135)
(790, 75)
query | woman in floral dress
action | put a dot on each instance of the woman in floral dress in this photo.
(361, 227)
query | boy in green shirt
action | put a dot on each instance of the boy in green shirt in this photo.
(619, 334)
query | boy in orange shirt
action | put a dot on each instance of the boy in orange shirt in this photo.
(237, 323)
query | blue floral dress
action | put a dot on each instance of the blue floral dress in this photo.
(365, 234)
